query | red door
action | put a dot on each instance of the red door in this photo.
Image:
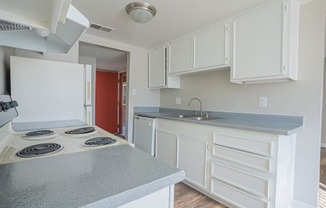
(106, 101)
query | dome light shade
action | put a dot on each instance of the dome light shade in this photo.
(141, 12)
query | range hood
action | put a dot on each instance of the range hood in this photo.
(42, 26)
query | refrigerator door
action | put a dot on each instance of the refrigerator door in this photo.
(144, 134)
(47, 90)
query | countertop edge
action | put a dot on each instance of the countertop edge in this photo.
(272, 130)
(138, 192)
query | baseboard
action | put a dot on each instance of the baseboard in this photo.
(298, 204)
(323, 145)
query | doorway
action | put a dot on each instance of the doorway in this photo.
(109, 84)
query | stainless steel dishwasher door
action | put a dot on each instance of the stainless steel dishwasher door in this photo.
(144, 134)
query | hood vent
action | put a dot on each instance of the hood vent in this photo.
(57, 33)
(9, 26)
(100, 27)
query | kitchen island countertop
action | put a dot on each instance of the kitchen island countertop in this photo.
(106, 177)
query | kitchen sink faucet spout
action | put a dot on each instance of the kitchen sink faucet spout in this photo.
(200, 105)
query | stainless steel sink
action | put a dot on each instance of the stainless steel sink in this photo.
(204, 118)
(195, 117)
(180, 116)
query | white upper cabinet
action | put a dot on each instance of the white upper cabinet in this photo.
(211, 48)
(181, 55)
(203, 50)
(157, 71)
(265, 44)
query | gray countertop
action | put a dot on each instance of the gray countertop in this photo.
(28, 126)
(107, 177)
(274, 124)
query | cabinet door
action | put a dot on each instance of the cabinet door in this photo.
(258, 44)
(210, 47)
(192, 159)
(166, 147)
(157, 67)
(181, 55)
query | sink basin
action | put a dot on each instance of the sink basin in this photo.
(194, 117)
(204, 118)
(181, 116)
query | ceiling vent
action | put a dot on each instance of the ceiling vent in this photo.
(9, 26)
(100, 27)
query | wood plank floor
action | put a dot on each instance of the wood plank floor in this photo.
(323, 166)
(187, 197)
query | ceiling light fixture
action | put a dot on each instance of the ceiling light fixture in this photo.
(141, 12)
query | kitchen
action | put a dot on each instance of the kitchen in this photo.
(303, 97)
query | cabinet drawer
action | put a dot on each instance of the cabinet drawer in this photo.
(253, 161)
(236, 196)
(261, 147)
(246, 181)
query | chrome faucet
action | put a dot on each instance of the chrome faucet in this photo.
(200, 105)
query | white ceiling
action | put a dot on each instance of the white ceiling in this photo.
(106, 59)
(174, 18)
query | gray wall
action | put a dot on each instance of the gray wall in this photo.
(291, 98)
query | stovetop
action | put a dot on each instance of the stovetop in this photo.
(16, 144)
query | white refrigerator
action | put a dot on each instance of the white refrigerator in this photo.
(51, 90)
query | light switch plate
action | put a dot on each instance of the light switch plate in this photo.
(178, 101)
(263, 102)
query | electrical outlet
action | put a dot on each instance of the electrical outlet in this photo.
(263, 102)
(178, 101)
(134, 92)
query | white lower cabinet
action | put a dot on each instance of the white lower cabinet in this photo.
(185, 145)
(160, 199)
(166, 147)
(240, 168)
(236, 196)
(192, 159)
(252, 169)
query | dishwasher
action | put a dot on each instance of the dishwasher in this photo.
(144, 134)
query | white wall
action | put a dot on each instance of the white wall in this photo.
(292, 98)
(5, 53)
(136, 77)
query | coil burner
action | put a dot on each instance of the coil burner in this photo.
(80, 131)
(99, 141)
(39, 150)
(38, 135)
